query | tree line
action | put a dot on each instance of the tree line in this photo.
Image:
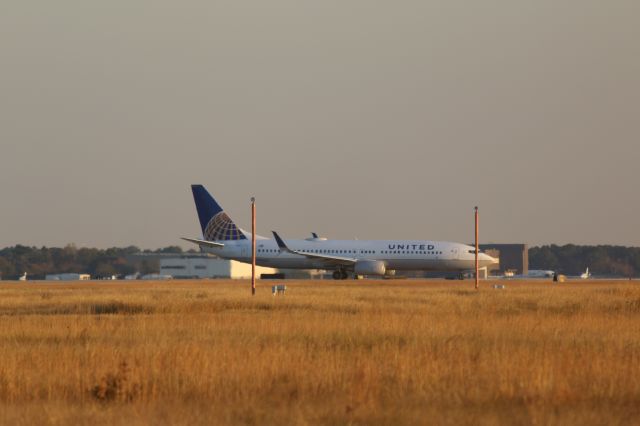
(613, 261)
(38, 262)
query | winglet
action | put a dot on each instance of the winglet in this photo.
(281, 243)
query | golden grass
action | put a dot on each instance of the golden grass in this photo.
(372, 352)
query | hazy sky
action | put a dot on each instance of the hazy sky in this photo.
(349, 118)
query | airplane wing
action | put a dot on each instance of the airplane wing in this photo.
(339, 260)
(204, 243)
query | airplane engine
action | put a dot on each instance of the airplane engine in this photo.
(370, 267)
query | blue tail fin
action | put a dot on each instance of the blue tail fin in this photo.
(215, 223)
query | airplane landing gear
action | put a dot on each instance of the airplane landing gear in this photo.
(340, 274)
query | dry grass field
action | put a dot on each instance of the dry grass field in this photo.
(366, 352)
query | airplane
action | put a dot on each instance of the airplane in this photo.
(583, 276)
(223, 238)
(537, 273)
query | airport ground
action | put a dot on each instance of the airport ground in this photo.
(349, 352)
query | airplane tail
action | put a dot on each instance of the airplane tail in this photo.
(215, 223)
(586, 274)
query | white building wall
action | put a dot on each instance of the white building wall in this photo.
(243, 270)
(208, 267)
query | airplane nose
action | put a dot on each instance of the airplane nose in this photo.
(488, 260)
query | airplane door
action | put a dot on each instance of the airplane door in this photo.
(454, 252)
(244, 251)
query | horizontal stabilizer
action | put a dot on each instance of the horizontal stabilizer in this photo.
(204, 243)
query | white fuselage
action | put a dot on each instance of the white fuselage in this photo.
(396, 254)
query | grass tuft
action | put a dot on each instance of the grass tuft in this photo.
(117, 386)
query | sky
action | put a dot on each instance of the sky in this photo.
(351, 118)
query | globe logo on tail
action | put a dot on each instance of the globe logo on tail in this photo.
(221, 227)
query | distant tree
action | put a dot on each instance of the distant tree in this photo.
(125, 269)
(543, 258)
(7, 269)
(573, 260)
(105, 270)
(130, 250)
(170, 249)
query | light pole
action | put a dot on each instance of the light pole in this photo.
(477, 251)
(253, 246)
